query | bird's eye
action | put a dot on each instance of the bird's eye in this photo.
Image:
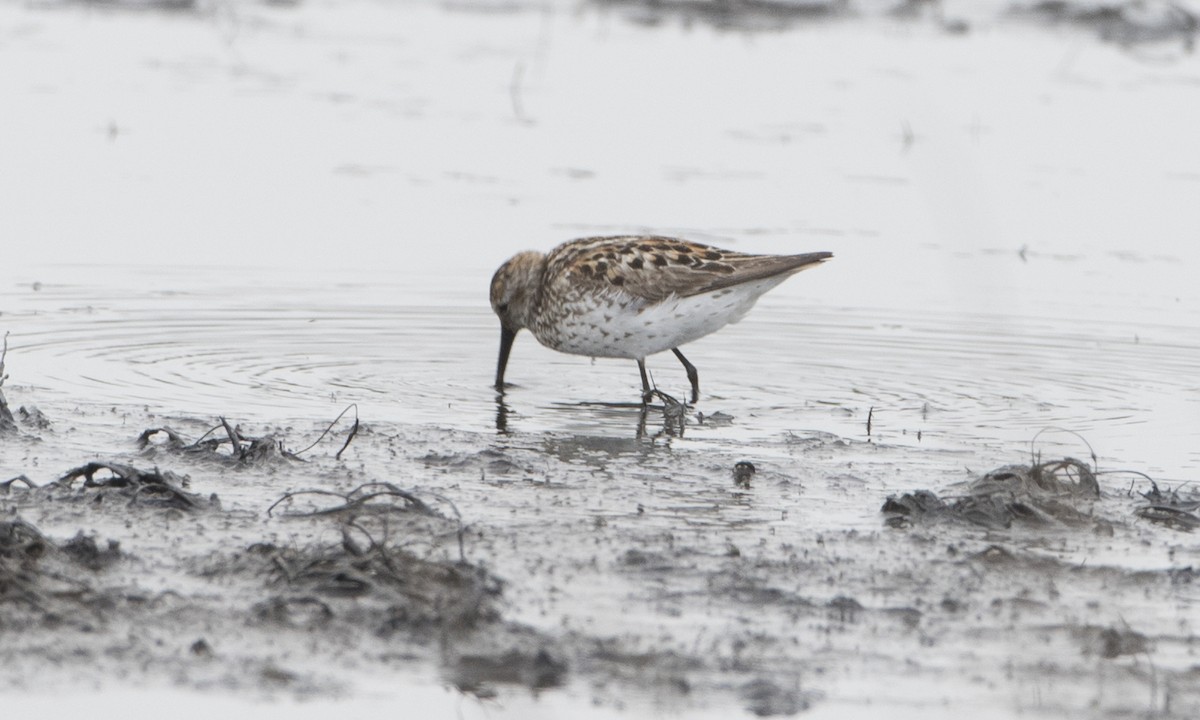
(503, 307)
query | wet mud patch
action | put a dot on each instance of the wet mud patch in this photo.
(1046, 552)
(205, 594)
(638, 572)
(49, 584)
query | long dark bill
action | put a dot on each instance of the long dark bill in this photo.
(506, 342)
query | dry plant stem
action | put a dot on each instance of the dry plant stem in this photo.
(353, 500)
(353, 432)
(23, 479)
(674, 413)
(150, 483)
(144, 439)
(1033, 445)
(462, 554)
(233, 438)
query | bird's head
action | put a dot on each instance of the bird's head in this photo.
(514, 297)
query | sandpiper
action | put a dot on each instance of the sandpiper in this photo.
(630, 296)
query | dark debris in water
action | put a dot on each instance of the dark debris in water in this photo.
(743, 471)
(1127, 22)
(1057, 491)
(368, 496)
(24, 480)
(1173, 508)
(32, 417)
(766, 698)
(1111, 642)
(234, 447)
(730, 14)
(1054, 492)
(242, 449)
(108, 481)
(419, 596)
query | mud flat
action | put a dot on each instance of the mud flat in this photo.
(639, 576)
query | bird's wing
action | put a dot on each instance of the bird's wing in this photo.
(652, 268)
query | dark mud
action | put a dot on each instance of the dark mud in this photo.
(200, 593)
(502, 567)
(1125, 22)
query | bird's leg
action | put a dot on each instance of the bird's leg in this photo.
(693, 376)
(647, 393)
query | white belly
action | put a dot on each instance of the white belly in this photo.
(625, 329)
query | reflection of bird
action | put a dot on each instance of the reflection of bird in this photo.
(631, 296)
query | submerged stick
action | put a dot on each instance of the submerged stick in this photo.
(233, 438)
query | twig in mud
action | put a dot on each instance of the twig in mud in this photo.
(1140, 474)
(1170, 516)
(376, 547)
(244, 450)
(353, 432)
(233, 438)
(1034, 453)
(297, 493)
(352, 547)
(1078, 476)
(7, 484)
(359, 497)
(126, 477)
(175, 438)
(354, 499)
(208, 432)
(674, 412)
(462, 553)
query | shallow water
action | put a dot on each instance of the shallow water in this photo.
(1012, 265)
(270, 213)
